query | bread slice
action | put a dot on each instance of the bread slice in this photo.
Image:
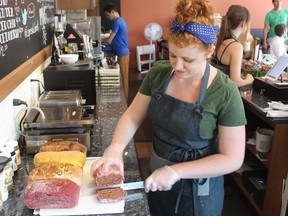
(64, 145)
(111, 195)
(113, 176)
(74, 158)
(56, 193)
(56, 171)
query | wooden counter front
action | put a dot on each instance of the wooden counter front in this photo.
(278, 163)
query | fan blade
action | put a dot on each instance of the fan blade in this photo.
(155, 27)
(148, 32)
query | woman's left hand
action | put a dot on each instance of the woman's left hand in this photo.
(161, 179)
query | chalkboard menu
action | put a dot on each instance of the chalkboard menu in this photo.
(26, 27)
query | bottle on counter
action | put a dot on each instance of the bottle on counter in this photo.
(3, 186)
(15, 145)
(13, 156)
(1, 201)
(8, 170)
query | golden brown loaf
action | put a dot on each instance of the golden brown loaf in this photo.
(64, 145)
(74, 158)
(56, 171)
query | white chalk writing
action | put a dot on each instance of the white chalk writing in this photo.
(3, 2)
(19, 19)
(3, 49)
(7, 24)
(31, 10)
(30, 31)
(6, 12)
(9, 36)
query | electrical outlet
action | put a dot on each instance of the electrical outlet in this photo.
(17, 102)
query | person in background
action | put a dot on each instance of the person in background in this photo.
(198, 120)
(119, 40)
(277, 15)
(277, 45)
(229, 51)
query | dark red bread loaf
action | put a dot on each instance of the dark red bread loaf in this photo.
(113, 176)
(56, 193)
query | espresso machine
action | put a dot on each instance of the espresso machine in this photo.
(86, 34)
(76, 36)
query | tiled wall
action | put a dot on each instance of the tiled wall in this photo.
(26, 91)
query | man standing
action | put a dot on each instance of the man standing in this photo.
(277, 15)
(119, 40)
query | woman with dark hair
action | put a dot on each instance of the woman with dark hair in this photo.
(197, 116)
(229, 51)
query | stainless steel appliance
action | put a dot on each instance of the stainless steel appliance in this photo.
(64, 77)
(65, 119)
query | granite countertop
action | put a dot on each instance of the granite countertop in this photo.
(111, 104)
(257, 102)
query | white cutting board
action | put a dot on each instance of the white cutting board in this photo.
(87, 204)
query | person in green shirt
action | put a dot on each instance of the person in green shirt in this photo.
(197, 116)
(277, 15)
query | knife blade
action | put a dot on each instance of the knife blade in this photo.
(125, 186)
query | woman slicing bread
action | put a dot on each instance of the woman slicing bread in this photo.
(197, 116)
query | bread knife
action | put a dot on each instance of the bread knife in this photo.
(125, 186)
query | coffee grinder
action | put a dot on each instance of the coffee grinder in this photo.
(59, 41)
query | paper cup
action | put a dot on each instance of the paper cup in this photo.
(264, 140)
(247, 46)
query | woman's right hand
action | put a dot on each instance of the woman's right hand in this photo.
(111, 156)
(161, 179)
(249, 78)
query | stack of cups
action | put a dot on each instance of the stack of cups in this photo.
(247, 46)
(263, 142)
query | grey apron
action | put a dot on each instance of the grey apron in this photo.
(177, 139)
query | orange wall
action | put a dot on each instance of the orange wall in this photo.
(257, 8)
(138, 14)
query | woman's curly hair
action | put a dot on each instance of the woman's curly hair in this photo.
(198, 11)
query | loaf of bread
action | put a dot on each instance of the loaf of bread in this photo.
(56, 171)
(113, 176)
(110, 195)
(56, 193)
(74, 158)
(65, 145)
